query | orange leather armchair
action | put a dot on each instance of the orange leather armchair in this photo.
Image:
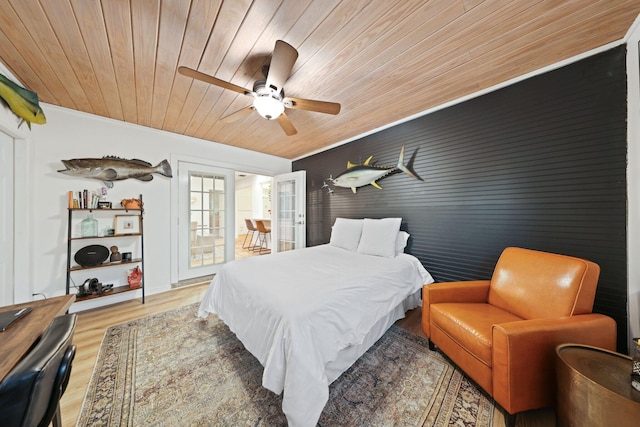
(503, 332)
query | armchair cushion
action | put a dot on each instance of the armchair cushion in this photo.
(471, 325)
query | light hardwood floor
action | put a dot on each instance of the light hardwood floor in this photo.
(92, 325)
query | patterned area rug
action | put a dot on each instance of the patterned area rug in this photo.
(174, 369)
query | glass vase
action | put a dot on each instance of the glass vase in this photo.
(89, 227)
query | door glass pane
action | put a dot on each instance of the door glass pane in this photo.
(207, 228)
(286, 215)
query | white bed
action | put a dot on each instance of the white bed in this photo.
(308, 314)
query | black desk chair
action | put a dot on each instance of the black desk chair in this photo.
(30, 394)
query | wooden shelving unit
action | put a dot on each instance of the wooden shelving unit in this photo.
(72, 243)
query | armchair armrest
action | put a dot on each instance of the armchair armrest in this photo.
(470, 291)
(524, 353)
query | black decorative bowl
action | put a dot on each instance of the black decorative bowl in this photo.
(91, 255)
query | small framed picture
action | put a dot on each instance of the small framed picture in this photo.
(104, 204)
(127, 224)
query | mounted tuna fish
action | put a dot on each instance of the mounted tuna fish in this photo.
(111, 168)
(23, 102)
(360, 175)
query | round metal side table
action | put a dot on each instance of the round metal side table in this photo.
(594, 388)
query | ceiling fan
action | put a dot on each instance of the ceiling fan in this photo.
(268, 95)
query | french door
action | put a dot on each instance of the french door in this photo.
(288, 226)
(6, 220)
(206, 227)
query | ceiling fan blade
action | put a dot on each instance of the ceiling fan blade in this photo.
(237, 115)
(186, 71)
(311, 105)
(282, 60)
(286, 125)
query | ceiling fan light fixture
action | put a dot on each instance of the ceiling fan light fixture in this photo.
(268, 107)
(268, 95)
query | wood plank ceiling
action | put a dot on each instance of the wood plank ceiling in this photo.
(383, 60)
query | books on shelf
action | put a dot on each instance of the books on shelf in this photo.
(84, 199)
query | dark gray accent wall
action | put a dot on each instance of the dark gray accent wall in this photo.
(540, 164)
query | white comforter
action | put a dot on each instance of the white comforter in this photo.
(294, 311)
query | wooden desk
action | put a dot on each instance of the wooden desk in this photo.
(16, 341)
(594, 388)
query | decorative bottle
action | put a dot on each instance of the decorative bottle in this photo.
(89, 227)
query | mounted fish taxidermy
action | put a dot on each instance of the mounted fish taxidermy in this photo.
(23, 102)
(110, 168)
(360, 175)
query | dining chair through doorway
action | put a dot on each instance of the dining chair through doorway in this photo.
(263, 231)
(250, 228)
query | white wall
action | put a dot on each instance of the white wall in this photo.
(255, 183)
(9, 123)
(261, 208)
(69, 134)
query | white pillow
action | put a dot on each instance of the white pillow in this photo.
(401, 241)
(345, 233)
(379, 237)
